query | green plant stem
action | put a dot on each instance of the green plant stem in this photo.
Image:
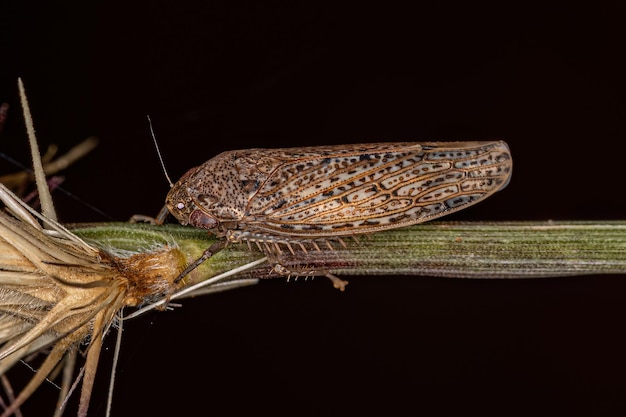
(443, 249)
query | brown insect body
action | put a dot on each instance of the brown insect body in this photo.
(293, 195)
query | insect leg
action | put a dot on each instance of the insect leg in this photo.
(338, 283)
(278, 251)
(290, 248)
(302, 247)
(159, 219)
(212, 250)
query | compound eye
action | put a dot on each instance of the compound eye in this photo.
(202, 220)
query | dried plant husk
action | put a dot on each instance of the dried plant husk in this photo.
(58, 292)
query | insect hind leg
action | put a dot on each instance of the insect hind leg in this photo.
(337, 282)
(280, 250)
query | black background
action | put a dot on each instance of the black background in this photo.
(215, 76)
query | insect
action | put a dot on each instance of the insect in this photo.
(298, 196)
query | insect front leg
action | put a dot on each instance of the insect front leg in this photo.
(212, 250)
(158, 220)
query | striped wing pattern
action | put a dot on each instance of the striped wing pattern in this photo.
(355, 189)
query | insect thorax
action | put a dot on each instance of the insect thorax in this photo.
(224, 185)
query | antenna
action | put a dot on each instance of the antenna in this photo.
(156, 145)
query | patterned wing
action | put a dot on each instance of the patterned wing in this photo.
(353, 189)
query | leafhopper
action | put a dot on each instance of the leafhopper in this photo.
(301, 197)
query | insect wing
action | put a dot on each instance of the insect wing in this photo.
(353, 189)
